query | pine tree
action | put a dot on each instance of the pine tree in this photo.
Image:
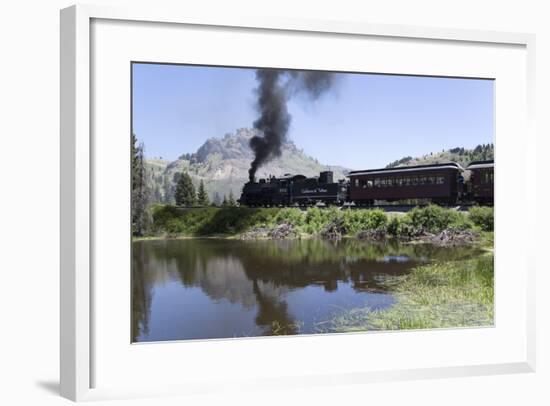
(185, 191)
(140, 195)
(231, 201)
(202, 196)
(224, 202)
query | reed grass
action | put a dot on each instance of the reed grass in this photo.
(442, 295)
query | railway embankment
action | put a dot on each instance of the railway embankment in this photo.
(430, 224)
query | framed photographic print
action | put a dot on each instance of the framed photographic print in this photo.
(257, 195)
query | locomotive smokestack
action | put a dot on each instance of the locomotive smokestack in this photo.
(274, 119)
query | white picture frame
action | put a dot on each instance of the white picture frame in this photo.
(77, 192)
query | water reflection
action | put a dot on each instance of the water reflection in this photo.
(208, 288)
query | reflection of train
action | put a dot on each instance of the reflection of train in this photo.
(437, 183)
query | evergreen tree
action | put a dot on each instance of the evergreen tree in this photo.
(175, 179)
(231, 202)
(202, 196)
(224, 202)
(140, 195)
(185, 191)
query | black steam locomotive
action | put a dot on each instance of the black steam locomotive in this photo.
(437, 183)
(295, 190)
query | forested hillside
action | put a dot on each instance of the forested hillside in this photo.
(459, 155)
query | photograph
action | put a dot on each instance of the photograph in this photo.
(277, 202)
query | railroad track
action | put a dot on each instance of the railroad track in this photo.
(402, 208)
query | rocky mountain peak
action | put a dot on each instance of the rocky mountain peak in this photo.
(231, 146)
(223, 163)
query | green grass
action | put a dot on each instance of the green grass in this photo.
(482, 217)
(231, 221)
(209, 221)
(450, 294)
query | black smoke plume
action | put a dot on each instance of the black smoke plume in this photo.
(273, 122)
(274, 89)
(313, 83)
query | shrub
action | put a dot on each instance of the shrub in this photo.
(291, 216)
(401, 226)
(209, 220)
(394, 226)
(432, 218)
(314, 220)
(376, 219)
(359, 220)
(483, 217)
(352, 221)
(231, 220)
(332, 214)
(174, 226)
(461, 221)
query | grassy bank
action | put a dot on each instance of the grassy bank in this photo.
(208, 221)
(451, 294)
(170, 221)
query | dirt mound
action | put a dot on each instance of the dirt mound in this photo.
(255, 234)
(451, 237)
(333, 231)
(279, 232)
(377, 234)
(282, 231)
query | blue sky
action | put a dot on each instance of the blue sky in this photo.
(365, 121)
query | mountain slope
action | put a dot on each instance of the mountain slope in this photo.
(223, 163)
(459, 155)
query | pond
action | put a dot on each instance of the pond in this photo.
(220, 288)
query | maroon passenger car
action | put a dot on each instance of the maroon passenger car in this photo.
(482, 185)
(437, 183)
